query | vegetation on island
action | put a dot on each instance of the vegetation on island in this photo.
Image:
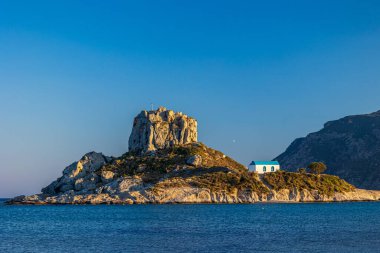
(217, 171)
(168, 168)
(324, 184)
(317, 167)
(151, 166)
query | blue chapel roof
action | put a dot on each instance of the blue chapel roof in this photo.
(264, 163)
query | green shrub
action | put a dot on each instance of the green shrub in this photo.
(317, 167)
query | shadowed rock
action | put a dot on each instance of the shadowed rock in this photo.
(350, 147)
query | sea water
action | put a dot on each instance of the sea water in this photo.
(316, 227)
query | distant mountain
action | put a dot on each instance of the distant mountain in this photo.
(350, 147)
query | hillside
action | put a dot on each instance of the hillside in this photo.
(350, 147)
(324, 184)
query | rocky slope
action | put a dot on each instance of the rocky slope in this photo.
(171, 167)
(350, 147)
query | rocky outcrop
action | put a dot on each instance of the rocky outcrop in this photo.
(350, 147)
(195, 160)
(79, 176)
(161, 129)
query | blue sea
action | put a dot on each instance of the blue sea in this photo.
(317, 227)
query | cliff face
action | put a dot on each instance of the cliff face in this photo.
(350, 147)
(160, 129)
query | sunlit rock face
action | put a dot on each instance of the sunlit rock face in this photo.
(161, 129)
(79, 175)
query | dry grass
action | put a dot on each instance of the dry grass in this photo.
(230, 182)
(325, 184)
(151, 167)
(168, 168)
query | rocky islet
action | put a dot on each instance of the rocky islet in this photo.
(167, 164)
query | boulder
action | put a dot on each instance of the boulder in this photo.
(79, 184)
(112, 187)
(195, 160)
(107, 176)
(130, 184)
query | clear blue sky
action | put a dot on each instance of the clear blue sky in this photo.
(256, 75)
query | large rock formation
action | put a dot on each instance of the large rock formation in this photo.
(79, 176)
(350, 147)
(160, 129)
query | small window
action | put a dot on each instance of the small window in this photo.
(265, 168)
(272, 169)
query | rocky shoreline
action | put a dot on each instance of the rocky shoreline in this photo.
(195, 196)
